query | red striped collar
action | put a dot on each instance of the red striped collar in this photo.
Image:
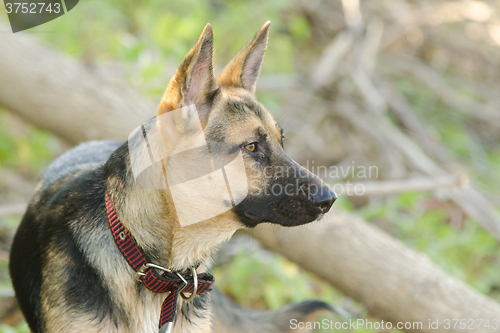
(174, 283)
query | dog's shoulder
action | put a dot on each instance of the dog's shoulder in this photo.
(86, 155)
(73, 181)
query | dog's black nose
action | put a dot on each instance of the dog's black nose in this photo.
(323, 198)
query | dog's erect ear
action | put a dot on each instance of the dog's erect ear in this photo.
(243, 70)
(194, 81)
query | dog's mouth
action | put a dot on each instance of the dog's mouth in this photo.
(287, 211)
(290, 219)
(254, 217)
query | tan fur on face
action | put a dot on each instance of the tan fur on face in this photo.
(249, 126)
(245, 129)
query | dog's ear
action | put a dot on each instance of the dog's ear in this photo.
(243, 70)
(194, 81)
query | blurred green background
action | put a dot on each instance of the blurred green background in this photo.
(144, 41)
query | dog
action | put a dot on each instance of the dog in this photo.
(72, 258)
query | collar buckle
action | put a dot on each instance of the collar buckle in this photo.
(142, 271)
(195, 285)
(144, 268)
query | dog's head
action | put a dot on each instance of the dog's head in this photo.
(278, 190)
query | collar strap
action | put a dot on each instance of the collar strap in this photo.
(174, 283)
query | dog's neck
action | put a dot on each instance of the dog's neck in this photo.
(150, 218)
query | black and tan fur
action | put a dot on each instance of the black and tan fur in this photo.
(67, 271)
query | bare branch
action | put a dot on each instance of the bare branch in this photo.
(391, 187)
(12, 209)
(395, 283)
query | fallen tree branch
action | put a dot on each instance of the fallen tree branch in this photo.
(452, 98)
(12, 209)
(470, 200)
(329, 62)
(401, 109)
(390, 187)
(13, 182)
(395, 283)
(62, 95)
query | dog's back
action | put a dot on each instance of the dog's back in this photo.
(86, 155)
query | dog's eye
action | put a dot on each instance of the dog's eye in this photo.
(251, 147)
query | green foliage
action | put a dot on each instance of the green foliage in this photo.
(21, 328)
(23, 147)
(467, 251)
(454, 131)
(269, 281)
(300, 28)
(344, 203)
(148, 39)
(264, 280)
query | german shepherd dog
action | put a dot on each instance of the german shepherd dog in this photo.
(69, 275)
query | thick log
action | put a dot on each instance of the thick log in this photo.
(395, 283)
(63, 96)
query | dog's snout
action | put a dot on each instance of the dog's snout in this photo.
(323, 198)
